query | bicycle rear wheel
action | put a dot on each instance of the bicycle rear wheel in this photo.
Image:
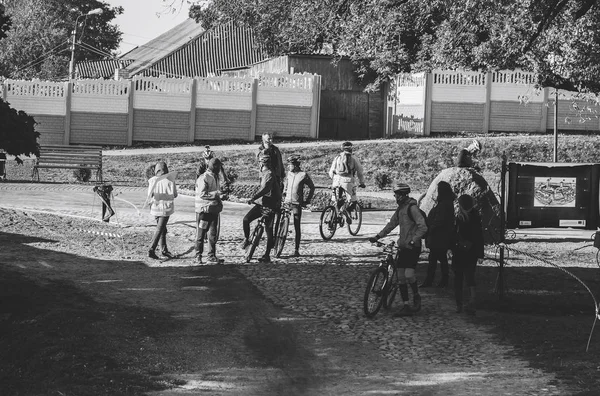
(391, 288)
(281, 235)
(328, 224)
(375, 292)
(356, 216)
(254, 240)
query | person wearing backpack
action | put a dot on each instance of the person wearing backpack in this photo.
(412, 228)
(440, 235)
(344, 170)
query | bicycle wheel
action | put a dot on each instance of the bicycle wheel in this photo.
(254, 240)
(356, 216)
(281, 234)
(391, 288)
(374, 292)
(328, 225)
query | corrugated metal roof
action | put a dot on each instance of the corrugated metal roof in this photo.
(226, 46)
(100, 68)
(148, 54)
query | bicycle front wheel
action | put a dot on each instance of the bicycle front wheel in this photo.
(254, 240)
(375, 292)
(281, 234)
(328, 224)
(356, 216)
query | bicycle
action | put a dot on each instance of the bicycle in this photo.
(281, 230)
(334, 216)
(257, 233)
(383, 282)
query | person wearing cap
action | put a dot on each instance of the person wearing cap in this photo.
(162, 192)
(276, 158)
(266, 202)
(468, 251)
(412, 228)
(207, 154)
(466, 156)
(293, 193)
(208, 205)
(343, 172)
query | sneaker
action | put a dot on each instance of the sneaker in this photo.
(405, 311)
(152, 255)
(166, 254)
(417, 302)
(296, 253)
(264, 259)
(214, 260)
(245, 243)
(198, 259)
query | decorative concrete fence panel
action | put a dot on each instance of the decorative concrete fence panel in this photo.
(459, 87)
(37, 97)
(515, 86)
(100, 96)
(166, 94)
(286, 89)
(224, 93)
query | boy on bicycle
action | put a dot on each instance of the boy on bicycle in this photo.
(343, 172)
(412, 228)
(293, 193)
(267, 201)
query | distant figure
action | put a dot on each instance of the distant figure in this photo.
(411, 229)
(293, 193)
(343, 172)
(207, 154)
(278, 168)
(468, 251)
(161, 194)
(208, 205)
(441, 234)
(466, 157)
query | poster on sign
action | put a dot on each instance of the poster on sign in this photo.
(555, 192)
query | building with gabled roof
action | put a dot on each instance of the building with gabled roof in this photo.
(187, 50)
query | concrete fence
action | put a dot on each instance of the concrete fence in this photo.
(502, 101)
(108, 112)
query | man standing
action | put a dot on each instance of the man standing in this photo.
(343, 172)
(293, 193)
(276, 159)
(267, 201)
(412, 228)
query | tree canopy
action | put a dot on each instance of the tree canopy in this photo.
(556, 39)
(37, 43)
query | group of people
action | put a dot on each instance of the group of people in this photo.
(443, 230)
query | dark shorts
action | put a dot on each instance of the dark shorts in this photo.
(407, 258)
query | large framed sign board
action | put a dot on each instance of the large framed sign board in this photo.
(553, 195)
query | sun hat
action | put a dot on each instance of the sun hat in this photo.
(401, 188)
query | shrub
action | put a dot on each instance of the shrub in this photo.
(82, 174)
(382, 180)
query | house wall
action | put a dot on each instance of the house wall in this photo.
(503, 101)
(106, 112)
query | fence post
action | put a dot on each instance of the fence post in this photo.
(4, 90)
(315, 111)
(254, 109)
(427, 102)
(487, 109)
(544, 116)
(193, 90)
(68, 97)
(130, 113)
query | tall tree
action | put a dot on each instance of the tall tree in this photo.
(557, 39)
(37, 45)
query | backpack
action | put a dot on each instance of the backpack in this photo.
(340, 166)
(422, 214)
